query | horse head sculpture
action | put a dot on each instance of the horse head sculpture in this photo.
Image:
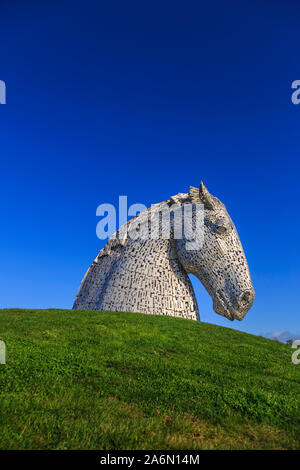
(150, 275)
(220, 264)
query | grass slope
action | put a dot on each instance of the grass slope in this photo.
(103, 380)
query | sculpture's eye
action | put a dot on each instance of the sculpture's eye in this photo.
(220, 229)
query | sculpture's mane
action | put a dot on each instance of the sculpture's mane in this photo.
(118, 240)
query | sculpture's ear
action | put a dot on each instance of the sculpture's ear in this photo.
(202, 196)
(208, 200)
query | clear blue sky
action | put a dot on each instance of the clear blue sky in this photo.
(144, 99)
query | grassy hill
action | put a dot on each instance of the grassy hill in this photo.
(103, 380)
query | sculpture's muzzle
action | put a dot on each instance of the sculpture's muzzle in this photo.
(233, 307)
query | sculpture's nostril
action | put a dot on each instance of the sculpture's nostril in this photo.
(245, 298)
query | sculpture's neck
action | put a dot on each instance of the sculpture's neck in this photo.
(149, 279)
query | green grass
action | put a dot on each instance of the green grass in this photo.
(103, 380)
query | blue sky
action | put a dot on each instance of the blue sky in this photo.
(144, 99)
